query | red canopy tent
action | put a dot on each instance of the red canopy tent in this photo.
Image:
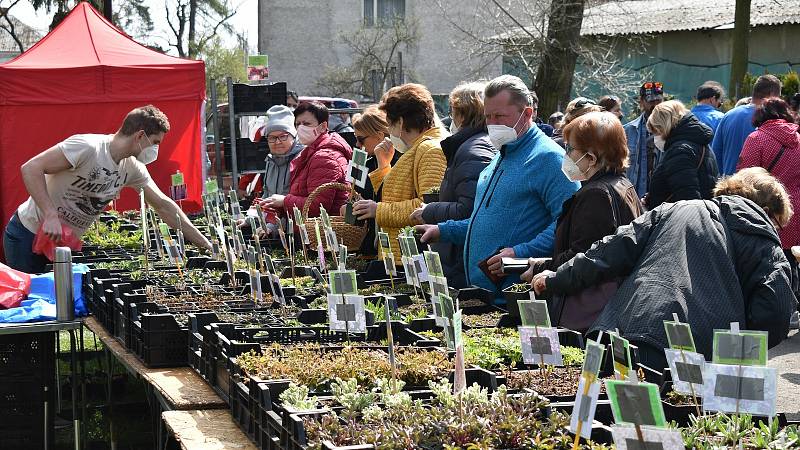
(83, 77)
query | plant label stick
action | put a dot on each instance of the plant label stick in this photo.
(588, 391)
(390, 339)
(646, 438)
(391, 269)
(621, 353)
(534, 313)
(636, 403)
(259, 252)
(740, 347)
(155, 231)
(679, 337)
(583, 412)
(227, 252)
(540, 346)
(145, 231)
(448, 311)
(342, 257)
(459, 375)
(320, 249)
(236, 211)
(740, 389)
(284, 243)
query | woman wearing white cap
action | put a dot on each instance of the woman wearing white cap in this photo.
(283, 148)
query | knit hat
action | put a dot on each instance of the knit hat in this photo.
(280, 118)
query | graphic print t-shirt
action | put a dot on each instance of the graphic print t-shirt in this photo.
(80, 194)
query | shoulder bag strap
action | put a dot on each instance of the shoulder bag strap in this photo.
(776, 159)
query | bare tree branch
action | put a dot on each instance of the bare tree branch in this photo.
(9, 26)
(375, 50)
(519, 32)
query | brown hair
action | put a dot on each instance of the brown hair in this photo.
(767, 86)
(602, 134)
(609, 102)
(317, 109)
(773, 108)
(412, 103)
(758, 186)
(147, 118)
(467, 100)
(710, 89)
(665, 117)
(371, 122)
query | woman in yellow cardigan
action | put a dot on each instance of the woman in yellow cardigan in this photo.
(413, 132)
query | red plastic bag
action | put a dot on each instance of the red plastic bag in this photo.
(43, 245)
(14, 287)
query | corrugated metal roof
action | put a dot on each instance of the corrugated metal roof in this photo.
(660, 16)
(28, 35)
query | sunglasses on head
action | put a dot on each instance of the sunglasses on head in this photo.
(651, 85)
(580, 104)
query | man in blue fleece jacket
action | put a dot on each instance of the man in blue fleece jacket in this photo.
(519, 194)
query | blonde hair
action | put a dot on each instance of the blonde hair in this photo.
(371, 122)
(757, 185)
(572, 112)
(665, 117)
(467, 100)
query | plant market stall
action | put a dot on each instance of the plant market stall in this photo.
(324, 350)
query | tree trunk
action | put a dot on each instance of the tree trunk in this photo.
(740, 54)
(192, 29)
(108, 10)
(557, 66)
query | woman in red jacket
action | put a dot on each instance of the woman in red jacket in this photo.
(775, 146)
(324, 160)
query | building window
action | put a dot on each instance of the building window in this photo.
(377, 12)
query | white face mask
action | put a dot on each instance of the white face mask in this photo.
(659, 142)
(306, 134)
(397, 142)
(571, 169)
(149, 153)
(501, 135)
(453, 127)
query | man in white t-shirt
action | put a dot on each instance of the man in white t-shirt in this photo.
(71, 183)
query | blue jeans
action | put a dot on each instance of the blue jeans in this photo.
(18, 248)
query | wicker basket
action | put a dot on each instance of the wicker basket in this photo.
(350, 235)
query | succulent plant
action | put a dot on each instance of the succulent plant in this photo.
(296, 397)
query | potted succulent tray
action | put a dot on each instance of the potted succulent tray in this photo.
(432, 196)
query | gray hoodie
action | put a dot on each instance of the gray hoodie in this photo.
(276, 174)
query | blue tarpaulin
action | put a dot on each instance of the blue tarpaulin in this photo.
(41, 302)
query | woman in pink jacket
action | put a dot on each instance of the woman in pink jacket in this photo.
(775, 146)
(324, 160)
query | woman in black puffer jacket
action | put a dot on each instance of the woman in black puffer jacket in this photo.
(687, 168)
(468, 151)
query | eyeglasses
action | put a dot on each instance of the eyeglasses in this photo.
(569, 149)
(276, 139)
